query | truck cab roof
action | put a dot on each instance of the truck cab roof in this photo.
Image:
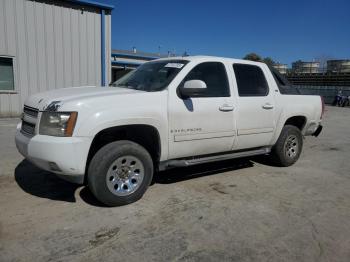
(199, 58)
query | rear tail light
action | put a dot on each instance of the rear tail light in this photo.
(323, 107)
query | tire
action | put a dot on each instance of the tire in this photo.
(288, 147)
(120, 173)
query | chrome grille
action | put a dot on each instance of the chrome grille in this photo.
(33, 112)
(29, 119)
(28, 128)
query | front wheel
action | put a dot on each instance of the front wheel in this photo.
(120, 173)
(288, 147)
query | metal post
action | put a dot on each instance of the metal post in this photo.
(103, 48)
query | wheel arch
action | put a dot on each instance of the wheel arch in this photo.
(145, 135)
(298, 121)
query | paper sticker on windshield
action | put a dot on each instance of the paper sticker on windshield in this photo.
(174, 65)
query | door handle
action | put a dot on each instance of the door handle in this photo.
(267, 106)
(226, 108)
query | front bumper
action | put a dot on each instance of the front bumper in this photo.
(314, 128)
(64, 156)
(318, 131)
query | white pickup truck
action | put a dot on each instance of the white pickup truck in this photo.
(170, 112)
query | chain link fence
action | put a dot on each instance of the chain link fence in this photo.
(328, 92)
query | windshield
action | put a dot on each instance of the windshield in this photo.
(151, 76)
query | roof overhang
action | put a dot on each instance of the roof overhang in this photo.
(134, 56)
(93, 3)
(125, 63)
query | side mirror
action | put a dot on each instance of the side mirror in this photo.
(192, 88)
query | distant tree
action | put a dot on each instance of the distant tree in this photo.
(252, 57)
(269, 61)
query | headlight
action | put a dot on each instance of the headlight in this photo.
(57, 123)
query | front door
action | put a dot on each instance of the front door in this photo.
(203, 124)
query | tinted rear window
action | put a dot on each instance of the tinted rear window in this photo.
(284, 86)
(250, 80)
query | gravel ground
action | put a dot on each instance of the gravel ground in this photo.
(241, 210)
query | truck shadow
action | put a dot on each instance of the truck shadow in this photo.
(44, 184)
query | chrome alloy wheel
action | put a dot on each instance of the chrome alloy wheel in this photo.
(291, 146)
(125, 175)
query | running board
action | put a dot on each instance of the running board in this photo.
(207, 159)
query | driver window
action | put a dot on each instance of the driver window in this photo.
(213, 74)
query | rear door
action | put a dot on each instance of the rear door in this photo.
(255, 107)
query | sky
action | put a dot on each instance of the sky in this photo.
(283, 30)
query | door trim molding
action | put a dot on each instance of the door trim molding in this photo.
(242, 132)
(189, 137)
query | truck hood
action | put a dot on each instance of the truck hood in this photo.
(62, 96)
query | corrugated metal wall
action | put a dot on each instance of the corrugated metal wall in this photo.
(55, 44)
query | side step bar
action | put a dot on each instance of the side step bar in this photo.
(207, 159)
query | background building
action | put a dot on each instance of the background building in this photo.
(50, 44)
(302, 67)
(124, 61)
(338, 66)
(282, 68)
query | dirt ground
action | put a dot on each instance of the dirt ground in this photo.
(241, 210)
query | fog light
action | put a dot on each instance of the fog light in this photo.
(54, 167)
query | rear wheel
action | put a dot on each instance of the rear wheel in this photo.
(120, 173)
(288, 146)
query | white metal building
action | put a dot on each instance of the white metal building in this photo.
(302, 67)
(338, 66)
(123, 61)
(49, 44)
(282, 68)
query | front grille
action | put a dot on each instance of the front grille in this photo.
(28, 128)
(29, 120)
(33, 112)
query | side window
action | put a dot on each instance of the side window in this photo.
(278, 79)
(250, 80)
(214, 75)
(7, 81)
(283, 84)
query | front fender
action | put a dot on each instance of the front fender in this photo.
(95, 123)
